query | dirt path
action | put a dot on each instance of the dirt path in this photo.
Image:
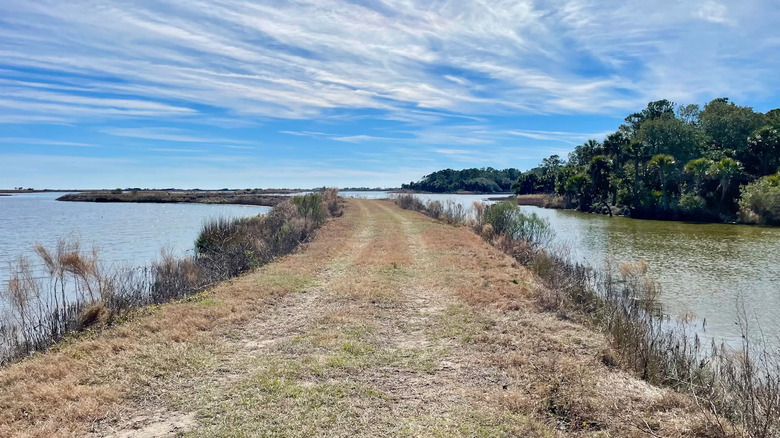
(388, 324)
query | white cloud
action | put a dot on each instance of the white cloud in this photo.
(714, 12)
(366, 139)
(167, 134)
(177, 150)
(560, 136)
(45, 142)
(305, 59)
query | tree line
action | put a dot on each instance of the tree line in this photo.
(484, 180)
(668, 161)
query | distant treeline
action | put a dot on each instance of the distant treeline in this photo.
(674, 162)
(485, 180)
(668, 161)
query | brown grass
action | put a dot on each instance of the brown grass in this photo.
(387, 324)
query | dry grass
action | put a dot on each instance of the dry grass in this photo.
(387, 324)
(73, 290)
(76, 385)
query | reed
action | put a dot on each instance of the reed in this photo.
(67, 289)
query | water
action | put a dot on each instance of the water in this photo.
(707, 272)
(704, 269)
(125, 234)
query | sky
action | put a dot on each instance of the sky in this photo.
(245, 94)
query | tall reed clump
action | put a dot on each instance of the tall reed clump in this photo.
(737, 389)
(449, 211)
(67, 289)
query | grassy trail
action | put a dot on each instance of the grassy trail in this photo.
(388, 324)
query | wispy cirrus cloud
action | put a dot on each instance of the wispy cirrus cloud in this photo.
(493, 82)
(45, 142)
(170, 135)
(177, 150)
(305, 59)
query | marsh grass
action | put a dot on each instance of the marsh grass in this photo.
(66, 289)
(736, 389)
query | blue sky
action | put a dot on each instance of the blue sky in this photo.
(235, 93)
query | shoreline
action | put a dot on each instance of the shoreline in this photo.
(255, 198)
(553, 203)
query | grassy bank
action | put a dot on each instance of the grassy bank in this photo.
(386, 324)
(243, 197)
(737, 390)
(77, 292)
(539, 200)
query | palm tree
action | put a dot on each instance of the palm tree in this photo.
(698, 168)
(664, 164)
(725, 170)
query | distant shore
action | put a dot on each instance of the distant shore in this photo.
(266, 198)
(17, 191)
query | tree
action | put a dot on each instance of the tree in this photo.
(670, 136)
(728, 126)
(698, 169)
(760, 201)
(725, 171)
(654, 110)
(773, 118)
(689, 113)
(526, 183)
(599, 171)
(763, 151)
(550, 167)
(614, 146)
(664, 165)
(585, 152)
(577, 188)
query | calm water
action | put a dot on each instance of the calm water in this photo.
(705, 270)
(125, 234)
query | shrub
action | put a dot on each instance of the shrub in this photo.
(310, 207)
(330, 197)
(692, 205)
(454, 213)
(507, 219)
(760, 201)
(434, 209)
(408, 201)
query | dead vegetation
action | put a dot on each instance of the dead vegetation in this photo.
(387, 324)
(72, 290)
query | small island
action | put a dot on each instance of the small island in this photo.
(267, 198)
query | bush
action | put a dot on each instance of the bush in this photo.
(692, 206)
(408, 201)
(760, 201)
(310, 207)
(507, 219)
(330, 197)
